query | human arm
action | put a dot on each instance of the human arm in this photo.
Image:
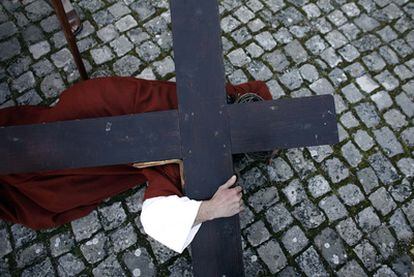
(225, 202)
(174, 221)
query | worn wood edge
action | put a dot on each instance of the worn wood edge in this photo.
(43, 147)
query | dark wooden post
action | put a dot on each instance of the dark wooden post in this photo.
(205, 131)
(70, 38)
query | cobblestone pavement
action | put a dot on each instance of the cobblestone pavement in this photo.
(346, 210)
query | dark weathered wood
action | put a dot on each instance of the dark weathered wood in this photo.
(285, 123)
(90, 142)
(205, 134)
(259, 126)
(70, 38)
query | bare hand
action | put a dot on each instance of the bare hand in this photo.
(225, 202)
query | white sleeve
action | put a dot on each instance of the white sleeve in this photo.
(170, 219)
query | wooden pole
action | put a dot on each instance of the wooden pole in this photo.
(70, 38)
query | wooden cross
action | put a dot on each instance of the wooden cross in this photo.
(204, 132)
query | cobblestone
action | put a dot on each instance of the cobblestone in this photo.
(352, 94)
(24, 82)
(403, 265)
(61, 243)
(351, 154)
(139, 262)
(366, 112)
(368, 220)
(52, 85)
(382, 201)
(363, 140)
(333, 208)
(41, 269)
(294, 240)
(367, 254)
(123, 238)
(336, 170)
(21, 235)
(121, 45)
(272, 255)
(400, 226)
(127, 65)
(85, 227)
(366, 83)
(294, 192)
(382, 100)
(257, 233)
(386, 172)
(331, 247)
(109, 267)
(112, 216)
(102, 55)
(29, 255)
(318, 186)
(264, 198)
(310, 262)
(352, 268)
(165, 66)
(308, 215)
(384, 241)
(69, 265)
(349, 232)
(351, 194)
(5, 244)
(278, 217)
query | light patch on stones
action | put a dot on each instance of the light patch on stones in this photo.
(367, 84)
(136, 272)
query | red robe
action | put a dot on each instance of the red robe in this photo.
(48, 199)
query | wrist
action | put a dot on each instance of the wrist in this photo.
(207, 208)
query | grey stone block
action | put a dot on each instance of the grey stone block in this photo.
(294, 192)
(264, 198)
(310, 263)
(109, 267)
(348, 231)
(368, 220)
(272, 255)
(367, 254)
(333, 208)
(61, 243)
(351, 194)
(85, 227)
(123, 238)
(308, 215)
(400, 226)
(278, 217)
(336, 170)
(384, 241)
(331, 247)
(69, 265)
(294, 240)
(96, 249)
(257, 233)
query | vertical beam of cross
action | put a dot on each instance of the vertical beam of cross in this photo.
(205, 134)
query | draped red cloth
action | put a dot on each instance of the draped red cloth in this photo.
(48, 199)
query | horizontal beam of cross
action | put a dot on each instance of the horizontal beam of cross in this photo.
(258, 126)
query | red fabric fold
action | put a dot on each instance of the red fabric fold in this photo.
(48, 199)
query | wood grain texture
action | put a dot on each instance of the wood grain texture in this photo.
(285, 123)
(205, 133)
(90, 142)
